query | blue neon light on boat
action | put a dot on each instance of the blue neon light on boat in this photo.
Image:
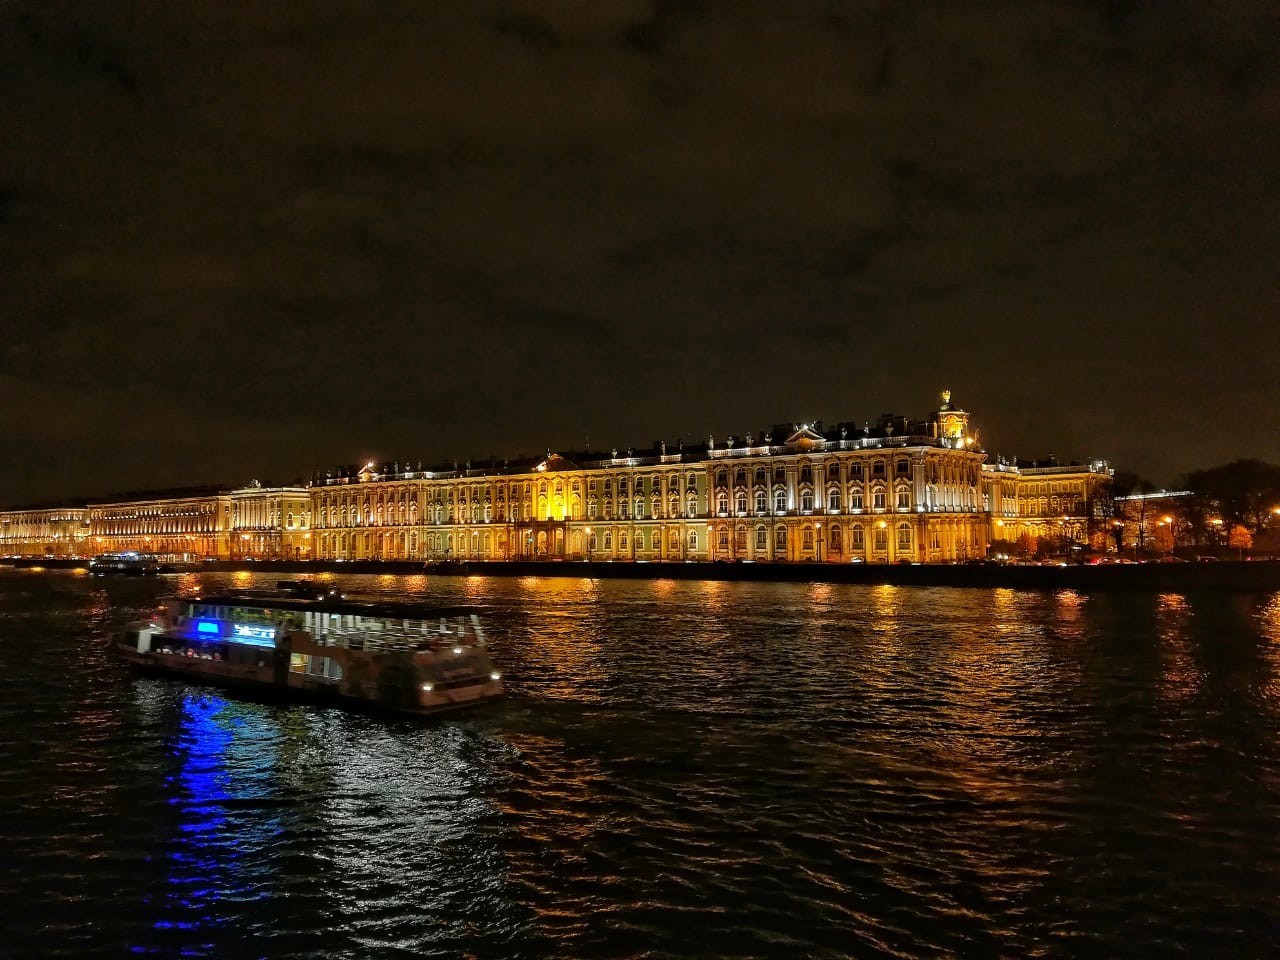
(208, 626)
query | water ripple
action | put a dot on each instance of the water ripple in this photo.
(683, 770)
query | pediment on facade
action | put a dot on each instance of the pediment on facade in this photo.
(805, 437)
(554, 462)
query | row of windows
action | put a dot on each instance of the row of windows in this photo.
(835, 539)
(935, 472)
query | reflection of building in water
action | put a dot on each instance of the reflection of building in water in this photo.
(893, 489)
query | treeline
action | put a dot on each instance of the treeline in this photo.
(1231, 507)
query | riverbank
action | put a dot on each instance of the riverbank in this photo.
(1224, 576)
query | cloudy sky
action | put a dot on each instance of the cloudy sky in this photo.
(252, 240)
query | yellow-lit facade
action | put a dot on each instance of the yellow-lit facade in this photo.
(44, 532)
(270, 523)
(901, 491)
(897, 491)
(191, 525)
(1055, 501)
(252, 522)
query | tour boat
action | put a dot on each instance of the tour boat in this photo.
(315, 643)
(128, 562)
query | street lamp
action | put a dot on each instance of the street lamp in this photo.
(588, 533)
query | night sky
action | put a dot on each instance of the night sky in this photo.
(253, 240)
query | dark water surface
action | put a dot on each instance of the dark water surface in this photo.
(684, 770)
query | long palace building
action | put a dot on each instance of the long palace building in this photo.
(893, 490)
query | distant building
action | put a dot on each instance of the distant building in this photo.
(44, 531)
(891, 490)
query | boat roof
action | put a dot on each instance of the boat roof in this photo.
(392, 609)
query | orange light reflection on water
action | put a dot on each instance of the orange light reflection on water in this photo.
(1269, 617)
(1179, 674)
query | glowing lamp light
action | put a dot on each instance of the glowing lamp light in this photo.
(428, 687)
(495, 676)
(457, 649)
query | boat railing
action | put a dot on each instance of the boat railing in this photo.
(393, 640)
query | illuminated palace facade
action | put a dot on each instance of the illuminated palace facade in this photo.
(893, 490)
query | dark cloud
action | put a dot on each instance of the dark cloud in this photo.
(249, 240)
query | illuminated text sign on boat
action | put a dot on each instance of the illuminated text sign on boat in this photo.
(253, 633)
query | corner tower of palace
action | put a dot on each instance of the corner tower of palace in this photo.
(890, 490)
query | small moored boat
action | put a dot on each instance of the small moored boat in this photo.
(315, 643)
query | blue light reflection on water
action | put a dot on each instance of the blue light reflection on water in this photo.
(218, 749)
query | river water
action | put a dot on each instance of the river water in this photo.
(683, 770)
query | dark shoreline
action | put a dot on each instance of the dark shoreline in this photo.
(1231, 576)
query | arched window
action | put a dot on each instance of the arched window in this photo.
(779, 501)
(904, 536)
(837, 539)
(780, 538)
(833, 498)
(762, 537)
(806, 538)
(722, 503)
(741, 502)
(806, 500)
(761, 502)
(903, 501)
(693, 539)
